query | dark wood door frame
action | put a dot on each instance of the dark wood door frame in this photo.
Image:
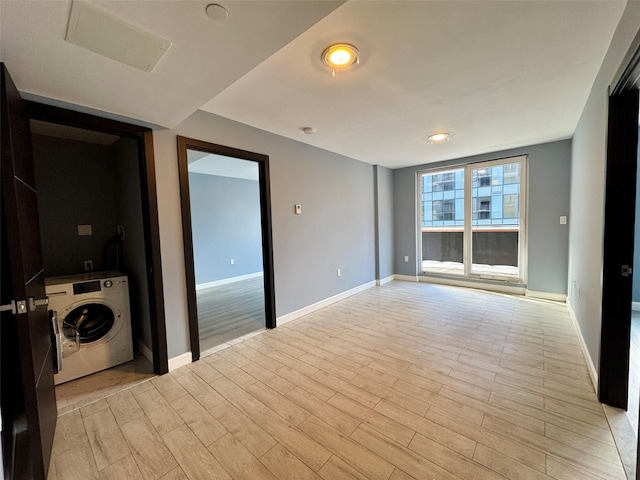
(619, 226)
(265, 212)
(144, 138)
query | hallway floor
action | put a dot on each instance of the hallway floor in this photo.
(403, 381)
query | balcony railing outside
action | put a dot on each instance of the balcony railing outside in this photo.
(494, 251)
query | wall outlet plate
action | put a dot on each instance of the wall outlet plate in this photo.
(84, 230)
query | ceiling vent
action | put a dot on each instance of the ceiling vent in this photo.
(109, 36)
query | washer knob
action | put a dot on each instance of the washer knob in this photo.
(108, 284)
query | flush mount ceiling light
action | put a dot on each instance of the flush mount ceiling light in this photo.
(340, 56)
(438, 138)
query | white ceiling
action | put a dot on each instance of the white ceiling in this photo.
(494, 74)
(221, 166)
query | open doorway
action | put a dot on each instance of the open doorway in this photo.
(98, 224)
(227, 238)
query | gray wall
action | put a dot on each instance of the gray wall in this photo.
(587, 189)
(133, 260)
(76, 185)
(383, 203)
(225, 218)
(548, 191)
(335, 230)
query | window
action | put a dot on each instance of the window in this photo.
(483, 208)
(471, 220)
(510, 206)
(484, 177)
(448, 210)
(511, 173)
(443, 182)
(437, 210)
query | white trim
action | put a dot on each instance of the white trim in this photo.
(180, 361)
(388, 279)
(225, 281)
(511, 289)
(635, 306)
(289, 317)
(555, 297)
(593, 373)
(406, 278)
(145, 351)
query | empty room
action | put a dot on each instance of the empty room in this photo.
(319, 239)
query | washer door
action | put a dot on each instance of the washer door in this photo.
(89, 322)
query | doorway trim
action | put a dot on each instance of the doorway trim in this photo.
(144, 139)
(184, 144)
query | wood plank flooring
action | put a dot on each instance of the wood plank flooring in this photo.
(403, 381)
(83, 391)
(226, 312)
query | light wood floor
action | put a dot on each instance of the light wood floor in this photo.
(83, 391)
(634, 372)
(404, 381)
(226, 312)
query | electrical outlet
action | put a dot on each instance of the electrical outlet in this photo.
(406, 259)
(88, 265)
(338, 273)
(233, 262)
(84, 230)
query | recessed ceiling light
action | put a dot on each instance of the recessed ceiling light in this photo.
(309, 130)
(217, 12)
(438, 137)
(340, 56)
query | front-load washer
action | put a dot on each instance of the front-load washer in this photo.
(94, 322)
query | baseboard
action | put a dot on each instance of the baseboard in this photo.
(225, 281)
(593, 373)
(180, 361)
(289, 317)
(382, 281)
(635, 306)
(490, 287)
(555, 297)
(145, 351)
(406, 278)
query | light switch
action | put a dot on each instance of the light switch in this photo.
(298, 209)
(563, 220)
(84, 230)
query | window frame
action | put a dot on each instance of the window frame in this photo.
(522, 209)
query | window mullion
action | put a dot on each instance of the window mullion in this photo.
(466, 240)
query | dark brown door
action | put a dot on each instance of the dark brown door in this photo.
(622, 144)
(28, 394)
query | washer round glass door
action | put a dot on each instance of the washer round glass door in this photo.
(90, 321)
